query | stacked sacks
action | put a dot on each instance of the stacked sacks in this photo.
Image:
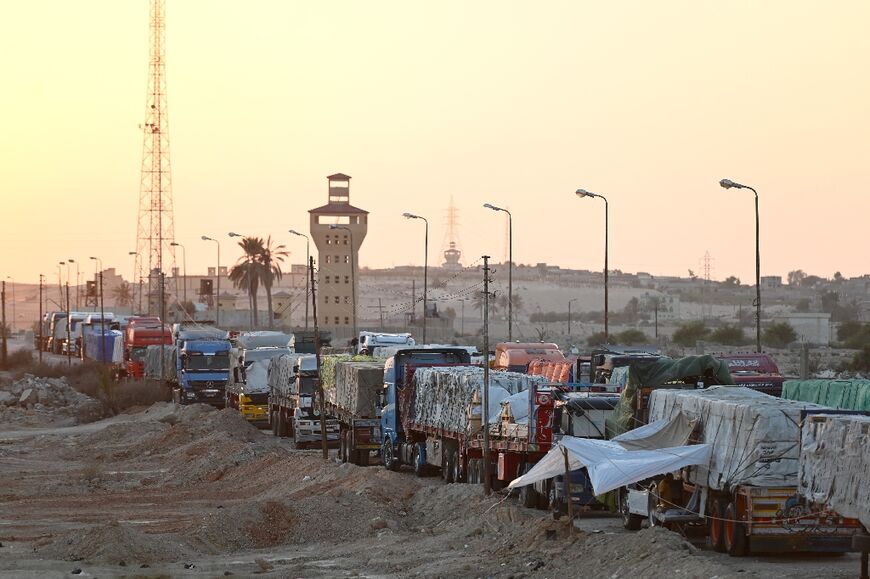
(357, 387)
(281, 374)
(444, 394)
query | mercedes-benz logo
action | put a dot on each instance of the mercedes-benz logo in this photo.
(209, 384)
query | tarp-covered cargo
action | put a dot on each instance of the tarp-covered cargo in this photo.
(845, 394)
(835, 464)
(755, 437)
(329, 363)
(357, 388)
(152, 363)
(257, 377)
(262, 339)
(107, 348)
(660, 373)
(443, 395)
(281, 372)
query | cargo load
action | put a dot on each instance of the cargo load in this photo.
(843, 394)
(755, 437)
(262, 339)
(107, 348)
(444, 394)
(152, 363)
(357, 387)
(835, 462)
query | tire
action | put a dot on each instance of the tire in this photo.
(342, 446)
(458, 471)
(528, 496)
(273, 422)
(736, 541)
(388, 455)
(715, 526)
(473, 471)
(651, 504)
(419, 465)
(630, 521)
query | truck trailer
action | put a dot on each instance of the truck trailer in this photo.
(248, 386)
(355, 401)
(293, 385)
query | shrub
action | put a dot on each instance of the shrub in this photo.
(687, 334)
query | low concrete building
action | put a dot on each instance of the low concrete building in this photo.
(813, 327)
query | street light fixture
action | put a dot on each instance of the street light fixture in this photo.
(218, 276)
(729, 184)
(184, 261)
(584, 193)
(307, 259)
(60, 284)
(510, 266)
(425, 269)
(352, 274)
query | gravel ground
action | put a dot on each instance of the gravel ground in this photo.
(192, 491)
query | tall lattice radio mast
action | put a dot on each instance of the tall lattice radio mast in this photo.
(156, 229)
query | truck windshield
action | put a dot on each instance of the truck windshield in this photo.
(218, 362)
(307, 385)
(137, 354)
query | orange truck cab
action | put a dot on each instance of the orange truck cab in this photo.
(137, 337)
(516, 356)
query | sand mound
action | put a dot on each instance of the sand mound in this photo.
(114, 543)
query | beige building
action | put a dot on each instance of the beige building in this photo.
(338, 230)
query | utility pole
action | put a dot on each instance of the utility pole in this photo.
(162, 316)
(68, 329)
(323, 442)
(3, 350)
(380, 308)
(413, 301)
(487, 480)
(41, 324)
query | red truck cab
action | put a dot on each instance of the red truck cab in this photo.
(754, 370)
(141, 333)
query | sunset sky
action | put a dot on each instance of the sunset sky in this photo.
(513, 103)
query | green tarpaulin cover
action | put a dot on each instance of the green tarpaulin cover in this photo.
(845, 394)
(658, 374)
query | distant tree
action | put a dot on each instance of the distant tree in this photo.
(123, 295)
(861, 360)
(189, 308)
(631, 337)
(270, 258)
(450, 313)
(596, 339)
(849, 330)
(779, 335)
(728, 335)
(796, 277)
(731, 281)
(838, 277)
(541, 331)
(803, 305)
(246, 274)
(812, 281)
(688, 334)
(632, 308)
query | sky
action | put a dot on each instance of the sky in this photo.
(513, 103)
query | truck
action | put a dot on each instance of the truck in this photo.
(137, 337)
(368, 341)
(516, 356)
(104, 347)
(293, 386)
(756, 370)
(202, 366)
(432, 417)
(355, 401)
(302, 341)
(247, 387)
(746, 498)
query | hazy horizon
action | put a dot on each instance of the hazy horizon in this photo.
(649, 104)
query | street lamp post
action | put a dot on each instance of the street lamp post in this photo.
(184, 262)
(60, 284)
(585, 193)
(352, 274)
(307, 258)
(569, 315)
(728, 184)
(425, 268)
(218, 276)
(510, 266)
(77, 281)
(102, 348)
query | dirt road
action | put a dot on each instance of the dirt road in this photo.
(192, 491)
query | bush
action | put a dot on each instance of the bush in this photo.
(19, 359)
(596, 339)
(729, 335)
(688, 334)
(861, 360)
(779, 335)
(854, 335)
(631, 337)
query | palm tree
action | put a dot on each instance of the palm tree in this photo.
(270, 259)
(246, 274)
(123, 295)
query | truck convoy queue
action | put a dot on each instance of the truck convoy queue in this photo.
(716, 447)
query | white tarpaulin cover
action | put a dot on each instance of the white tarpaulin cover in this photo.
(257, 377)
(755, 437)
(661, 433)
(835, 462)
(611, 466)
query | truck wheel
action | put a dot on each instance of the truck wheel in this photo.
(474, 471)
(651, 505)
(342, 446)
(715, 528)
(282, 424)
(458, 471)
(630, 521)
(736, 541)
(273, 422)
(388, 455)
(419, 465)
(447, 466)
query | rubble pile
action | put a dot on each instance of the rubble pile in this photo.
(33, 396)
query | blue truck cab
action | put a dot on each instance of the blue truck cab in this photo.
(203, 368)
(397, 445)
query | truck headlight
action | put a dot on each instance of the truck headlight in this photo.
(190, 394)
